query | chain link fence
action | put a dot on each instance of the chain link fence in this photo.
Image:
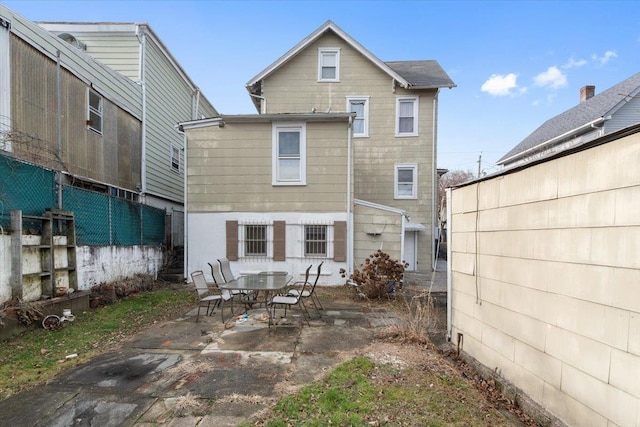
(100, 219)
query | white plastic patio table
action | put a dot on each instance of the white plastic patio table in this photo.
(266, 283)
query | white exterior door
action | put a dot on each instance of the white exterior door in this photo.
(410, 243)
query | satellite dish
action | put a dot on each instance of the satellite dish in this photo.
(73, 41)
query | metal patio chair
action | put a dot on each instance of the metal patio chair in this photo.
(289, 300)
(205, 295)
(310, 293)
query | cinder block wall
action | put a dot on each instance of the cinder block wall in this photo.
(546, 281)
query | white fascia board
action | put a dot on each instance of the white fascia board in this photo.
(203, 123)
(329, 25)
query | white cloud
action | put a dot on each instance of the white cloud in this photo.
(500, 85)
(553, 78)
(573, 63)
(608, 55)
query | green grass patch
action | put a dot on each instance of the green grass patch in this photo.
(38, 354)
(359, 393)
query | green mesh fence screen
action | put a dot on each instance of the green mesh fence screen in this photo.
(100, 219)
(26, 187)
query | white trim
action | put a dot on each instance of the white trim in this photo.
(414, 190)
(324, 52)
(416, 109)
(175, 147)
(302, 129)
(268, 224)
(98, 112)
(365, 118)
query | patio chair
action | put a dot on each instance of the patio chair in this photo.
(310, 293)
(288, 300)
(204, 293)
(228, 276)
(227, 296)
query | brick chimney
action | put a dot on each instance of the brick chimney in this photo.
(587, 92)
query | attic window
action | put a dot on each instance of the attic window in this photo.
(328, 64)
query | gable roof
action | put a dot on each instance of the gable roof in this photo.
(578, 119)
(409, 74)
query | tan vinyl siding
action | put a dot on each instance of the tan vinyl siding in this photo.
(229, 170)
(294, 88)
(113, 157)
(385, 229)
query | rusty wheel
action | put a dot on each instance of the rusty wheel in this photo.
(51, 322)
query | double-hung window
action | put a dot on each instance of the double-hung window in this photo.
(315, 240)
(360, 106)
(406, 181)
(175, 159)
(94, 112)
(328, 64)
(407, 116)
(289, 154)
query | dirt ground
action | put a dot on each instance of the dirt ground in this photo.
(411, 351)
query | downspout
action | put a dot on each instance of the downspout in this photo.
(143, 70)
(434, 179)
(196, 107)
(186, 216)
(402, 233)
(59, 128)
(449, 265)
(349, 213)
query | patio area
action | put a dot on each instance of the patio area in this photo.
(183, 373)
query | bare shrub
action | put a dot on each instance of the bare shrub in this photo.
(379, 275)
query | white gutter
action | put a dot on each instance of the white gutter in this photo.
(350, 234)
(574, 132)
(449, 265)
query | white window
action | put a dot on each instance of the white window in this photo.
(175, 159)
(328, 64)
(407, 116)
(289, 154)
(94, 113)
(315, 241)
(255, 239)
(360, 106)
(406, 181)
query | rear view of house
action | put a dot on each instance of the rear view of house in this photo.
(338, 163)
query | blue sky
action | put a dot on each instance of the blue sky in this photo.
(516, 64)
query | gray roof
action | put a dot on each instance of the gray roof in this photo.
(598, 106)
(422, 74)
